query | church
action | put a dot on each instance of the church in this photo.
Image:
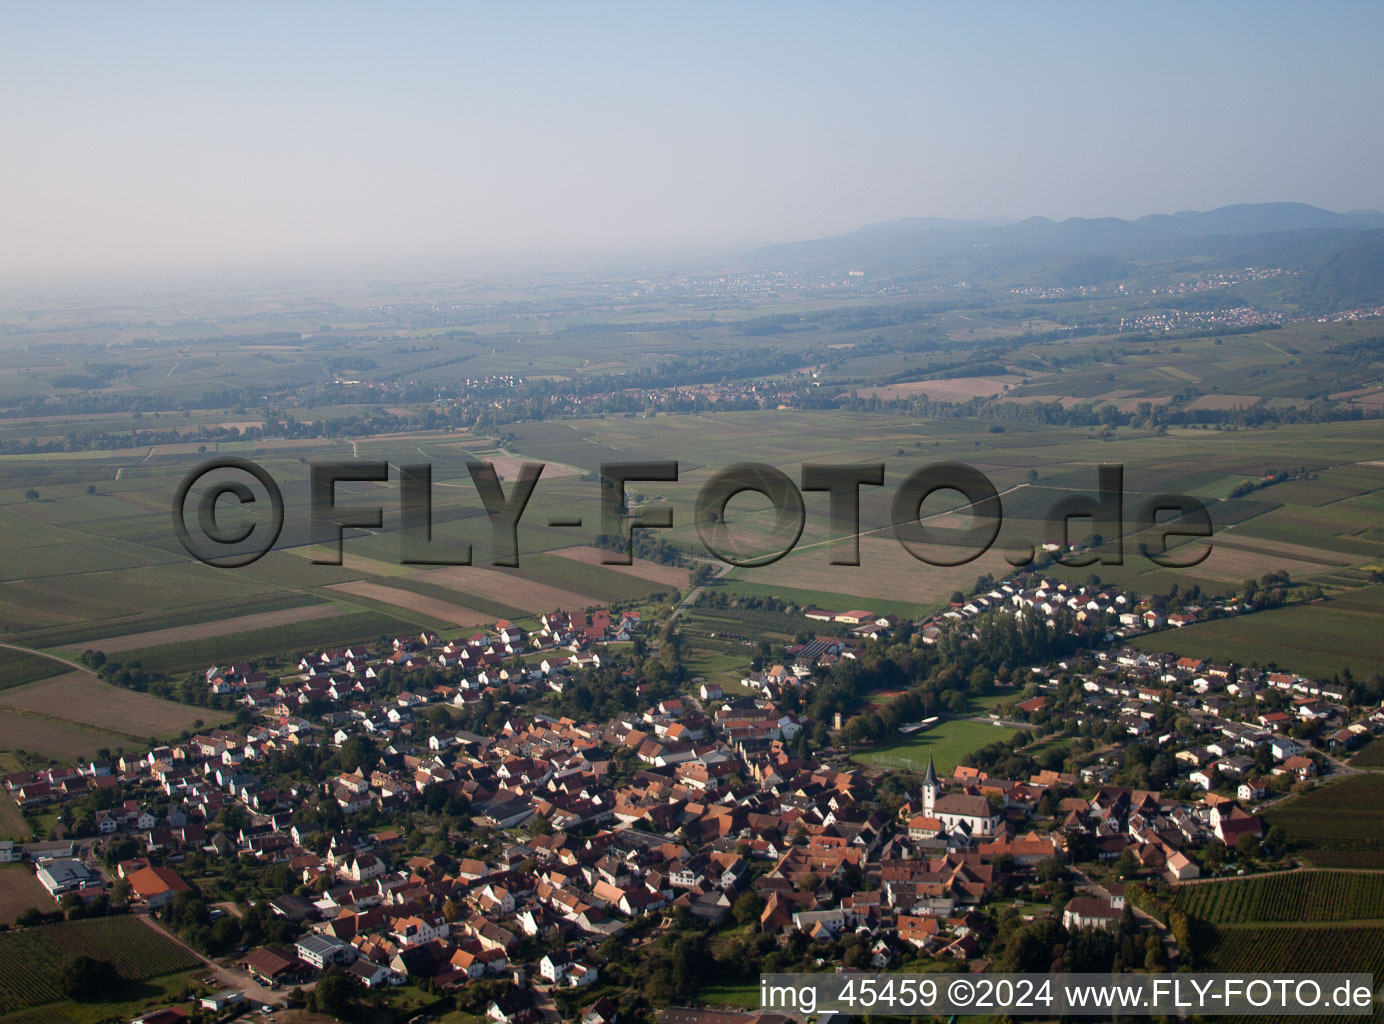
(953, 809)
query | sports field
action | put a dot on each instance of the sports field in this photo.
(947, 743)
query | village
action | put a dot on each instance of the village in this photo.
(518, 865)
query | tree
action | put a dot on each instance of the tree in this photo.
(85, 978)
(31, 494)
(1128, 865)
(336, 992)
(1277, 839)
(748, 908)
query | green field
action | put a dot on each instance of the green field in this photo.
(1339, 825)
(277, 642)
(31, 957)
(1293, 896)
(826, 600)
(746, 995)
(1289, 947)
(1318, 640)
(20, 667)
(1371, 755)
(947, 743)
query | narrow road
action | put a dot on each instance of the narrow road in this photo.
(695, 592)
(227, 977)
(44, 654)
(1170, 951)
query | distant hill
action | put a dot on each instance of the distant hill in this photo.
(1337, 251)
(1346, 276)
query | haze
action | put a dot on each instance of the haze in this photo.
(160, 138)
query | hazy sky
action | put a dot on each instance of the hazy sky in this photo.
(146, 137)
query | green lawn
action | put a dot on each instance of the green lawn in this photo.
(746, 995)
(947, 743)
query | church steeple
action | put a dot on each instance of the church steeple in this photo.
(930, 787)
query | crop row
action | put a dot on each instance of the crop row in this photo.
(31, 958)
(1296, 896)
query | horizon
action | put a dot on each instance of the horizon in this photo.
(454, 269)
(167, 140)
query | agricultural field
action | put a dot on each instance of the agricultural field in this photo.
(219, 627)
(420, 604)
(278, 642)
(1290, 896)
(1320, 639)
(31, 738)
(12, 823)
(105, 566)
(30, 957)
(947, 743)
(1299, 948)
(1339, 825)
(20, 890)
(663, 575)
(1369, 756)
(17, 668)
(82, 698)
(951, 389)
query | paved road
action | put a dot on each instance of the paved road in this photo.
(695, 592)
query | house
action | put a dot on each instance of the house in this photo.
(602, 1011)
(516, 1006)
(1090, 912)
(222, 1001)
(156, 887)
(1298, 766)
(271, 965)
(371, 974)
(319, 950)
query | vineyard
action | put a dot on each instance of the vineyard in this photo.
(1339, 825)
(1284, 948)
(1296, 896)
(1370, 756)
(30, 958)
